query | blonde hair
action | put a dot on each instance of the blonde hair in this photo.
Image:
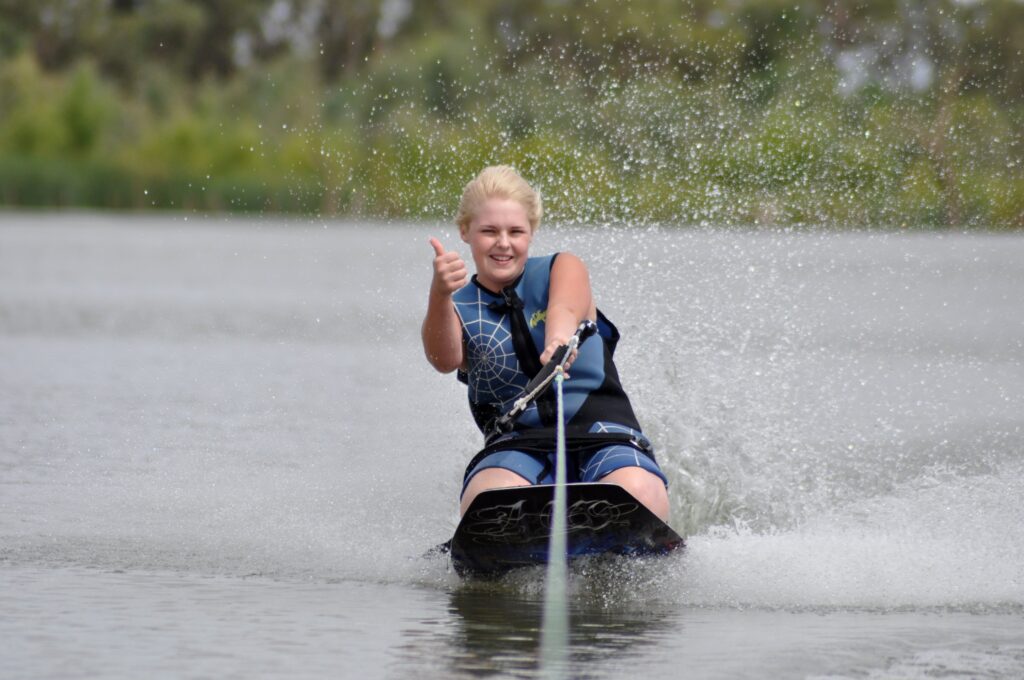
(498, 181)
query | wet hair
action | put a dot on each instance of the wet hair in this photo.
(498, 181)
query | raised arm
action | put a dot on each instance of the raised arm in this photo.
(569, 302)
(441, 331)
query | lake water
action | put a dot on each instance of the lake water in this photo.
(223, 455)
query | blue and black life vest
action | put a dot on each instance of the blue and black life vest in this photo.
(504, 337)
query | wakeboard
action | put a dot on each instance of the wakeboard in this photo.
(508, 528)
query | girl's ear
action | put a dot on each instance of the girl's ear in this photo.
(464, 234)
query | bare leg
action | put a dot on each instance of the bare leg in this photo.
(644, 486)
(491, 478)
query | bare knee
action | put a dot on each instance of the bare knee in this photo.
(491, 478)
(644, 486)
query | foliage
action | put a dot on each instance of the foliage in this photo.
(738, 112)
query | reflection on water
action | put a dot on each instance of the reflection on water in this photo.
(495, 632)
(497, 625)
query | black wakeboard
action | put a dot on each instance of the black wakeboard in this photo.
(508, 528)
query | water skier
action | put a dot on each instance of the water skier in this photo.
(497, 330)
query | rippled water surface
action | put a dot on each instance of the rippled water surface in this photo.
(222, 455)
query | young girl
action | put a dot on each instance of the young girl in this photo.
(499, 328)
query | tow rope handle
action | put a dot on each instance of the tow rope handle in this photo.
(543, 379)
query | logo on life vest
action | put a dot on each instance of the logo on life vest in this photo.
(538, 318)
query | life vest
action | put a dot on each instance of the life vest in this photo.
(504, 337)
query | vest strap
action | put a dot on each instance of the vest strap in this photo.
(526, 351)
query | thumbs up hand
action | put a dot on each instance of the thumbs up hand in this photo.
(449, 270)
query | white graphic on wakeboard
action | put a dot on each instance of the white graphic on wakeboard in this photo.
(512, 524)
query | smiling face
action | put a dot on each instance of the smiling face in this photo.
(499, 236)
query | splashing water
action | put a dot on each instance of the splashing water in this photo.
(792, 401)
(839, 414)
